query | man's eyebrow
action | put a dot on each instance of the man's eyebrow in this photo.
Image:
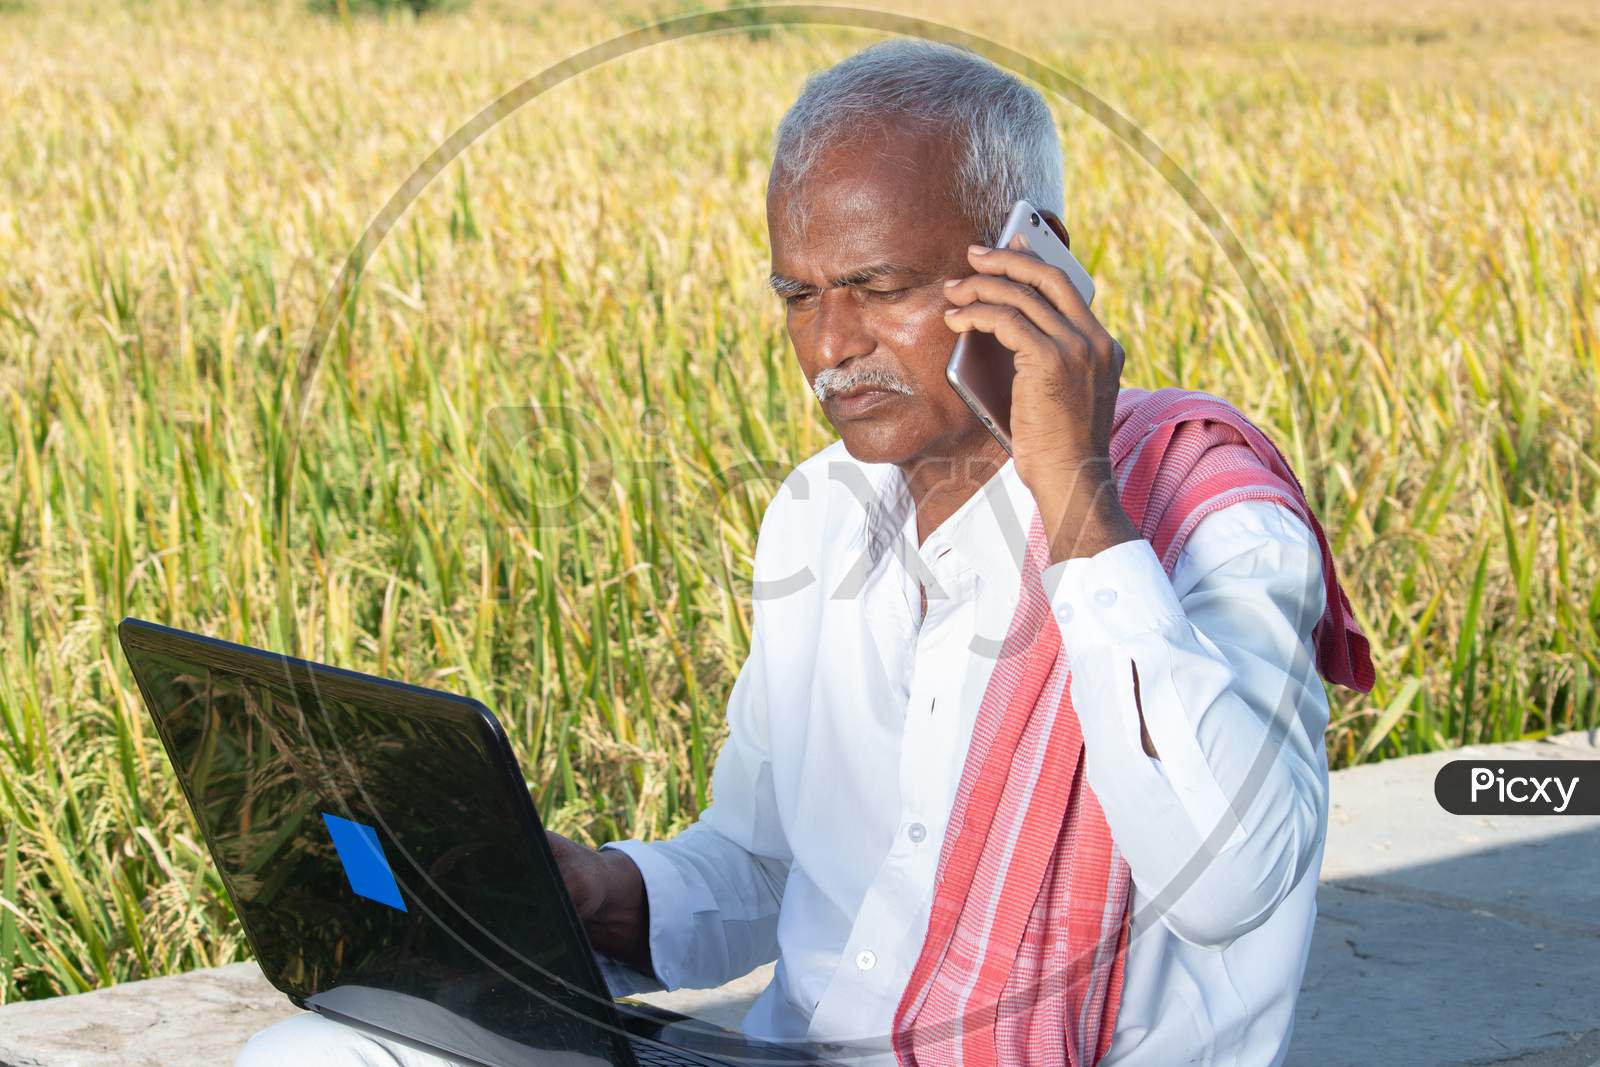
(786, 286)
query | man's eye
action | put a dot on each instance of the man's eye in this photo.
(887, 294)
(798, 299)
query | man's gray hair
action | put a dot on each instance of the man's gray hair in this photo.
(1007, 137)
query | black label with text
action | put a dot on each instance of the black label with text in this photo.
(1519, 787)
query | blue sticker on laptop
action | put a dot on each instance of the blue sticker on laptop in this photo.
(363, 860)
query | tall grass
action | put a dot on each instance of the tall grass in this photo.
(1416, 187)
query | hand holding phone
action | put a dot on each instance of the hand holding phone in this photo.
(1044, 376)
(981, 368)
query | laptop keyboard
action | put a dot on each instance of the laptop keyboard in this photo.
(650, 1054)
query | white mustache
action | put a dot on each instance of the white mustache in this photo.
(832, 381)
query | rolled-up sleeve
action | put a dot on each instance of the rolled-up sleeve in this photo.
(1225, 821)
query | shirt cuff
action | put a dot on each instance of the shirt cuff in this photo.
(1119, 606)
(1113, 594)
(673, 904)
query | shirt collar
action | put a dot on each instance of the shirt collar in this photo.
(987, 533)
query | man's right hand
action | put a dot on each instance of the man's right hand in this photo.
(608, 892)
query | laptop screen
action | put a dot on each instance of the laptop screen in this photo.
(374, 844)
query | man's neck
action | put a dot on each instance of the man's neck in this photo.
(940, 485)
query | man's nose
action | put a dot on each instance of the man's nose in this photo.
(841, 332)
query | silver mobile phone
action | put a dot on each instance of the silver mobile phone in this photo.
(981, 368)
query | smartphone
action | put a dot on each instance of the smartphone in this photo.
(981, 368)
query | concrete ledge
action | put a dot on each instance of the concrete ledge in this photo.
(1448, 939)
(200, 1018)
(1441, 941)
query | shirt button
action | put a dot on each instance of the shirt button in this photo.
(1105, 597)
(866, 959)
(916, 831)
(1065, 612)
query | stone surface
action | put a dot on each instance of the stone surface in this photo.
(197, 1019)
(724, 1006)
(1441, 941)
(1449, 939)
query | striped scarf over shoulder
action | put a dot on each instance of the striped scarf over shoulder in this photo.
(1028, 933)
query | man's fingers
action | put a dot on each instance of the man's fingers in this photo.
(564, 848)
(1009, 325)
(992, 289)
(1026, 267)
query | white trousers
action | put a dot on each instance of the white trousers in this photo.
(311, 1040)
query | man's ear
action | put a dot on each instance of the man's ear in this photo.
(1057, 225)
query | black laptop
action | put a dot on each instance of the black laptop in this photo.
(386, 862)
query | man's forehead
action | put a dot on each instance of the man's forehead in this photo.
(888, 202)
(833, 255)
(873, 168)
(862, 225)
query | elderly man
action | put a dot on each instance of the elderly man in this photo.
(1026, 761)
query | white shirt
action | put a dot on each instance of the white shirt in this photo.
(849, 723)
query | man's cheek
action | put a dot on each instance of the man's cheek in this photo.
(906, 323)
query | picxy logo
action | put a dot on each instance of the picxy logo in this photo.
(1519, 787)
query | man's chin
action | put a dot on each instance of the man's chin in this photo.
(872, 441)
(904, 442)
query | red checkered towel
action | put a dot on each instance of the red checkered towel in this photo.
(1028, 934)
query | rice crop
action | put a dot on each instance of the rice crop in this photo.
(532, 462)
